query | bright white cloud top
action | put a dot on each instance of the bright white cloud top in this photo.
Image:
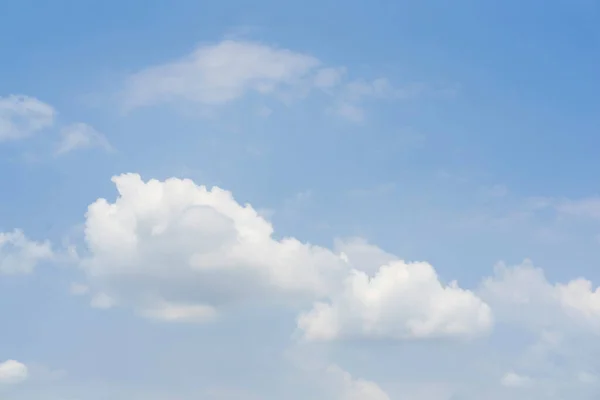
(402, 301)
(12, 372)
(177, 251)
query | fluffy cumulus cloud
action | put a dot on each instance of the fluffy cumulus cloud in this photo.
(12, 372)
(20, 255)
(22, 116)
(176, 251)
(523, 295)
(219, 73)
(401, 301)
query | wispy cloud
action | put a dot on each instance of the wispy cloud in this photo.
(81, 136)
(221, 73)
(514, 380)
(22, 116)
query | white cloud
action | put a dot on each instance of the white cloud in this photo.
(401, 301)
(522, 294)
(21, 116)
(81, 136)
(12, 372)
(167, 247)
(102, 301)
(219, 73)
(176, 251)
(78, 289)
(19, 255)
(512, 379)
(350, 388)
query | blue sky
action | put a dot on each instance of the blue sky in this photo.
(366, 155)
